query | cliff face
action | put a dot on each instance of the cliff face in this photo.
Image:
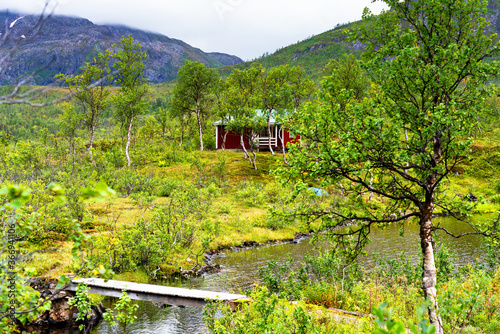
(65, 43)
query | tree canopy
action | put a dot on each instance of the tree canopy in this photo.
(194, 93)
(131, 98)
(91, 92)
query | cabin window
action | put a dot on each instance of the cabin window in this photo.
(263, 133)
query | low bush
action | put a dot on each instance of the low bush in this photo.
(264, 314)
(172, 231)
(250, 193)
(127, 181)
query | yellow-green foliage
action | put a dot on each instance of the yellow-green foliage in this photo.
(494, 286)
(473, 303)
(265, 313)
(469, 304)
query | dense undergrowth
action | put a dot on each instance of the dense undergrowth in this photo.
(200, 202)
(325, 288)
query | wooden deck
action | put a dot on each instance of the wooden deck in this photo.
(156, 293)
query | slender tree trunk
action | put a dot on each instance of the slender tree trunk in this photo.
(251, 140)
(129, 136)
(269, 133)
(224, 141)
(242, 143)
(281, 135)
(429, 274)
(341, 189)
(252, 161)
(429, 277)
(91, 145)
(199, 128)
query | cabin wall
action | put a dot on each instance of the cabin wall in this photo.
(233, 140)
(288, 139)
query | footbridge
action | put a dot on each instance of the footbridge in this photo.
(156, 293)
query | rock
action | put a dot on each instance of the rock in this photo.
(61, 312)
(160, 305)
(472, 198)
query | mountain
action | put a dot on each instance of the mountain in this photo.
(315, 52)
(64, 43)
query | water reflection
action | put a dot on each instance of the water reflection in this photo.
(157, 320)
(387, 241)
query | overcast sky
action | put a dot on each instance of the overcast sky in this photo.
(245, 28)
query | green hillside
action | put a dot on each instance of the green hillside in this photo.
(315, 52)
(312, 54)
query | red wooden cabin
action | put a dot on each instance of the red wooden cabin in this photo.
(233, 139)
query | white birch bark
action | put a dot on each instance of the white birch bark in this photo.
(129, 136)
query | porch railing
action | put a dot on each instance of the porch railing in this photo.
(264, 141)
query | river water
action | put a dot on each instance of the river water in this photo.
(241, 271)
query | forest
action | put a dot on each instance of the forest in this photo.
(107, 175)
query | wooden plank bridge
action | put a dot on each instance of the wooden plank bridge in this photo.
(156, 293)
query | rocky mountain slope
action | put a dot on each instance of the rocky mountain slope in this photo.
(65, 43)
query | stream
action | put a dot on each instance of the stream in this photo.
(241, 271)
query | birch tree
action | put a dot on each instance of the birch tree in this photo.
(238, 102)
(274, 94)
(300, 88)
(194, 93)
(426, 62)
(130, 101)
(90, 90)
(70, 122)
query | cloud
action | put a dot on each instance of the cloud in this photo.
(246, 28)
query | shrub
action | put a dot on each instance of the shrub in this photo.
(250, 193)
(172, 229)
(169, 156)
(212, 190)
(265, 314)
(223, 208)
(164, 188)
(495, 198)
(128, 181)
(274, 222)
(273, 192)
(470, 303)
